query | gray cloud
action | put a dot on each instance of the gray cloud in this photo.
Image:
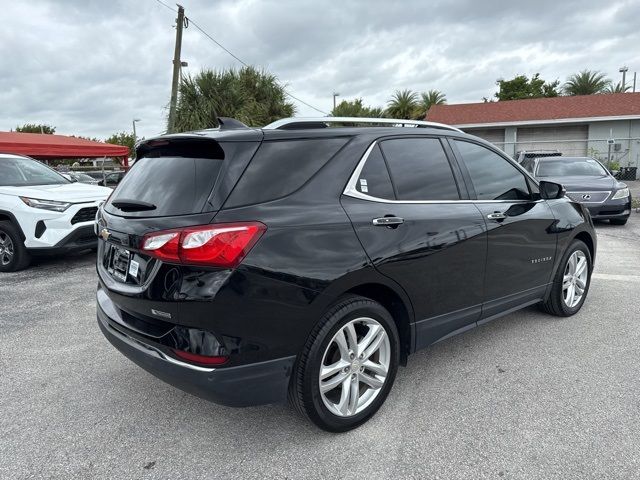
(89, 67)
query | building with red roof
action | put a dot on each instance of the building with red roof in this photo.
(604, 125)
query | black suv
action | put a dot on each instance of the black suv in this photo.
(248, 266)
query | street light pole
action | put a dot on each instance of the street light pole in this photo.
(335, 94)
(135, 136)
(624, 71)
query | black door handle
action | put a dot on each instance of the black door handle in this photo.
(388, 221)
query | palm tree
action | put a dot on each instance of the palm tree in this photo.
(252, 96)
(429, 99)
(587, 82)
(617, 88)
(403, 104)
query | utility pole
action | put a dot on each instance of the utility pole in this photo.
(335, 94)
(176, 70)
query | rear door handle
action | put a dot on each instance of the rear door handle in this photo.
(387, 221)
(497, 216)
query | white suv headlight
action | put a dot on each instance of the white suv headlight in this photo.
(46, 204)
(622, 193)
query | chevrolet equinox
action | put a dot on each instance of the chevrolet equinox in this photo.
(306, 262)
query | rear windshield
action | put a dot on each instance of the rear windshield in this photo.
(174, 185)
(578, 167)
(22, 172)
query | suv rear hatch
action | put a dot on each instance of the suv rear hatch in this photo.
(177, 182)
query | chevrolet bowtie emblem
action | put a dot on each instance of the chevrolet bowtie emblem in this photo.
(104, 233)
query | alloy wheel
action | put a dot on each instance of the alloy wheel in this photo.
(574, 281)
(354, 367)
(6, 249)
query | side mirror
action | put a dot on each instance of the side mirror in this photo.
(551, 190)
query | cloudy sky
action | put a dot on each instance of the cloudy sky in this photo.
(89, 67)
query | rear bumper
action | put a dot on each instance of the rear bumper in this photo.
(241, 386)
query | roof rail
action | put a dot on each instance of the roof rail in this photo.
(294, 123)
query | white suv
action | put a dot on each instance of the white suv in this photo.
(41, 212)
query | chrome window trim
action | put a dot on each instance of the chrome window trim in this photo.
(608, 192)
(351, 190)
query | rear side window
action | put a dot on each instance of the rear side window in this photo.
(420, 169)
(174, 185)
(374, 178)
(281, 167)
(493, 177)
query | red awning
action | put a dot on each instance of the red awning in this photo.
(44, 147)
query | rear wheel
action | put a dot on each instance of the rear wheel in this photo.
(571, 283)
(619, 221)
(348, 365)
(13, 254)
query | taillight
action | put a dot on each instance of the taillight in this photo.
(218, 245)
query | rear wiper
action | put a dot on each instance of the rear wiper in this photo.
(132, 205)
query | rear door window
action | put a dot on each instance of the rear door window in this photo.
(420, 169)
(374, 178)
(174, 185)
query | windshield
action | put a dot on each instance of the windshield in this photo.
(18, 172)
(570, 167)
(83, 178)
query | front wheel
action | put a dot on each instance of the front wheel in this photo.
(348, 365)
(571, 283)
(13, 254)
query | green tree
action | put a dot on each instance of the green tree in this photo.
(586, 82)
(427, 100)
(617, 88)
(356, 108)
(403, 104)
(125, 139)
(249, 95)
(36, 128)
(522, 86)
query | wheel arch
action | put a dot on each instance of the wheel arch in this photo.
(8, 216)
(588, 241)
(396, 306)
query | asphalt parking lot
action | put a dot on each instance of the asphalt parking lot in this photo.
(526, 396)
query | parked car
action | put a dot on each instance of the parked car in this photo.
(112, 179)
(522, 155)
(587, 182)
(248, 266)
(79, 177)
(41, 212)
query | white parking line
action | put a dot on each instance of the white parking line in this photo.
(608, 276)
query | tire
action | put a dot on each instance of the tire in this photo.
(557, 304)
(619, 221)
(324, 347)
(13, 254)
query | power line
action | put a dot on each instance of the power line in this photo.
(191, 22)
